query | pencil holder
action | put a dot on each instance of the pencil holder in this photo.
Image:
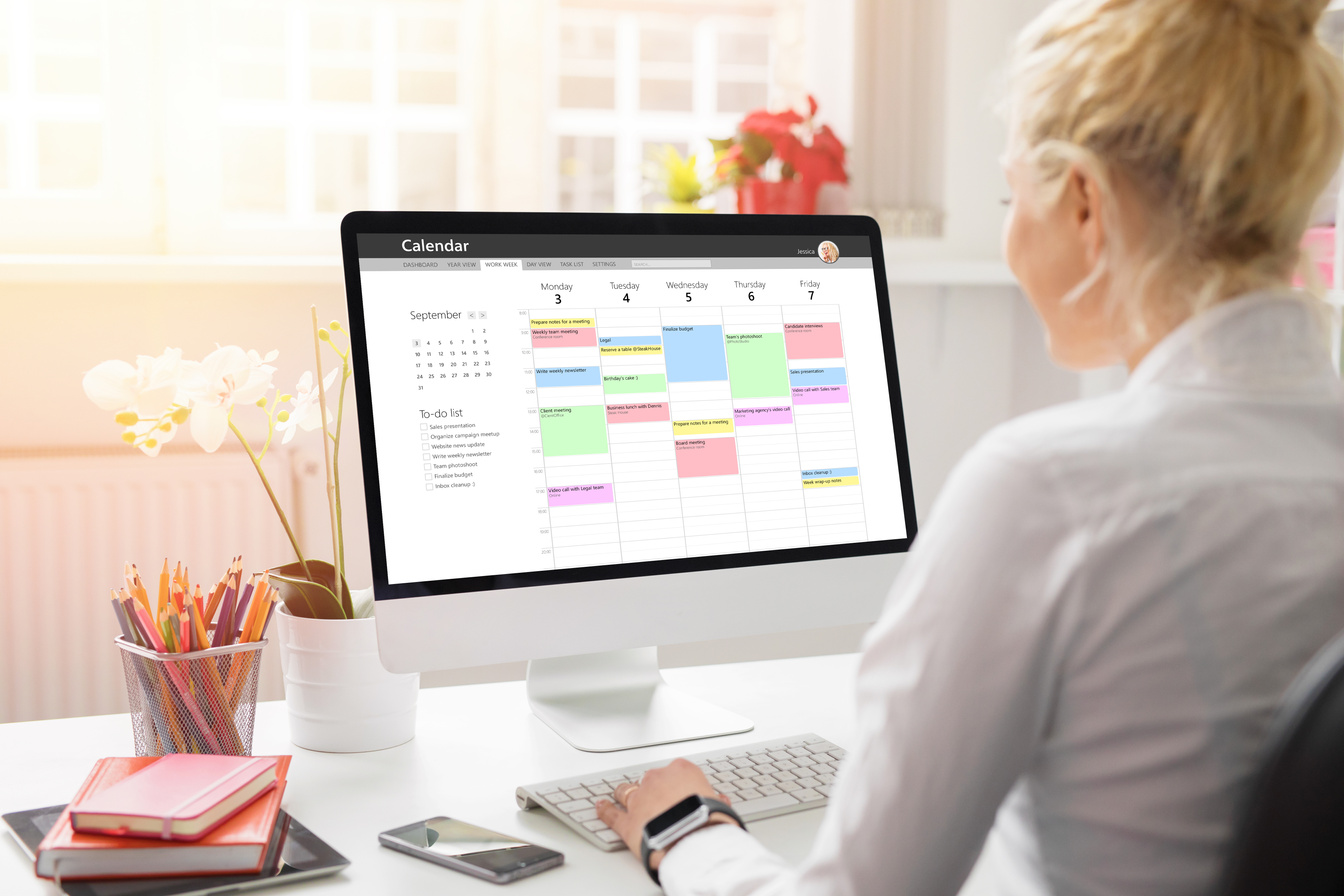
(199, 702)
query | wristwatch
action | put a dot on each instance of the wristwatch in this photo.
(689, 815)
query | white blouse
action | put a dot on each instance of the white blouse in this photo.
(1081, 656)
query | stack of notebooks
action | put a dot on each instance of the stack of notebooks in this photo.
(167, 817)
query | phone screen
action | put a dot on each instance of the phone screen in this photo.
(471, 844)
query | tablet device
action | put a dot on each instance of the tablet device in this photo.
(295, 853)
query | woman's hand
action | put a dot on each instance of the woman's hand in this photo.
(659, 790)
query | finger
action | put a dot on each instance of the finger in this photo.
(723, 798)
(613, 816)
(607, 811)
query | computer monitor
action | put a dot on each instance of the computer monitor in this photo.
(584, 436)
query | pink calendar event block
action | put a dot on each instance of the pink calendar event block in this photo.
(821, 395)
(566, 337)
(706, 457)
(813, 340)
(571, 495)
(641, 412)
(762, 416)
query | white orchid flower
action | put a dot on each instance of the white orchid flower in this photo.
(151, 435)
(226, 377)
(305, 412)
(148, 389)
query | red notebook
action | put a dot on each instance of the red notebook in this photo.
(183, 796)
(236, 847)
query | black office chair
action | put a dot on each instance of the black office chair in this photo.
(1291, 839)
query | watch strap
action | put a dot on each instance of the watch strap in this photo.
(714, 806)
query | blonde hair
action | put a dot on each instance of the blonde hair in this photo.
(1226, 117)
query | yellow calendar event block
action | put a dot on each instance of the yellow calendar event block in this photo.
(700, 427)
(830, 483)
(564, 322)
(632, 349)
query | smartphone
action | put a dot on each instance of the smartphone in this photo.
(472, 850)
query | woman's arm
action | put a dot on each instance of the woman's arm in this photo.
(954, 694)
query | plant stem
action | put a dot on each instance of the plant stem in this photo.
(284, 520)
(336, 463)
(326, 457)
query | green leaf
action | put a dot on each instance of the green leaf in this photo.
(756, 148)
(312, 595)
(722, 145)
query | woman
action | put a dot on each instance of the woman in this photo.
(1079, 661)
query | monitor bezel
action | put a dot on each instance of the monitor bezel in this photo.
(533, 223)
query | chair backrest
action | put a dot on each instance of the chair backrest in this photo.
(1291, 838)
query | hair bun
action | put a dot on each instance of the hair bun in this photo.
(1297, 18)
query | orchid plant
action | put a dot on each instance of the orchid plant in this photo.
(153, 398)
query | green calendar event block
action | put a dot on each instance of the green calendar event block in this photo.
(757, 366)
(567, 431)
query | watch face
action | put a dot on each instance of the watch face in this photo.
(672, 816)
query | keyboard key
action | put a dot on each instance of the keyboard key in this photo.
(595, 825)
(779, 755)
(837, 754)
(824, 790)
(765, 780)
(721, 767)
(785, 776)
(808, 782)
(769, 789)
(742, 763)
(765, 804)
(556, 798)
(578, 793)
(826, 779)
(600, 789)
(747, 794)
(813, 739)
(574, 806)
(613, 780)
(786, 764)
(788, 786)
(799, 752)
(728, 787)
(807, 795)
(814, 749)
(584, 815)
(608, 836)
(732, 756)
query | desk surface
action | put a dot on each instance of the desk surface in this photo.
(474, 744)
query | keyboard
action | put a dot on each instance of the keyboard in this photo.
(761, 780)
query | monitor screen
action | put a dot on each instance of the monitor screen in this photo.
(556, 407)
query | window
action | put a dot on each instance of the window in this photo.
(247, 127)
(628, 83)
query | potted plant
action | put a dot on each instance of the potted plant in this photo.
(340, 698)
(777, 161)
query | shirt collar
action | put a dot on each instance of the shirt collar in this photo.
(1263, 341)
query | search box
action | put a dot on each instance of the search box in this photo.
(671, 263)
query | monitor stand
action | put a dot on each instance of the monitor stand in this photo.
(602, 702)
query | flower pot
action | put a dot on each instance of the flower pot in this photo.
(339, 696)
(775, 197)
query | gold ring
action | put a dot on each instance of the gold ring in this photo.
(623, 791)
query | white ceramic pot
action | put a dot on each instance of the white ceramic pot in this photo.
(339, 696)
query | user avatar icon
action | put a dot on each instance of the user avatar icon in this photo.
(829, 252)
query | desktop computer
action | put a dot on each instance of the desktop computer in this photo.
(585, 436)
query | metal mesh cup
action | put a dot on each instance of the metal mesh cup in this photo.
(199, 702)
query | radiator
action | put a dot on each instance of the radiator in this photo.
(66, 525)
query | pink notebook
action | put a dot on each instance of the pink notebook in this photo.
(179, 797)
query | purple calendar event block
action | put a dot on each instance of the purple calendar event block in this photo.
(762, 416)
(571, 495)
(821, 395)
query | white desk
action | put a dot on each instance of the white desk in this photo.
(487, 732)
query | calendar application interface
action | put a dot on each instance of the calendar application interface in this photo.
(546, 402)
